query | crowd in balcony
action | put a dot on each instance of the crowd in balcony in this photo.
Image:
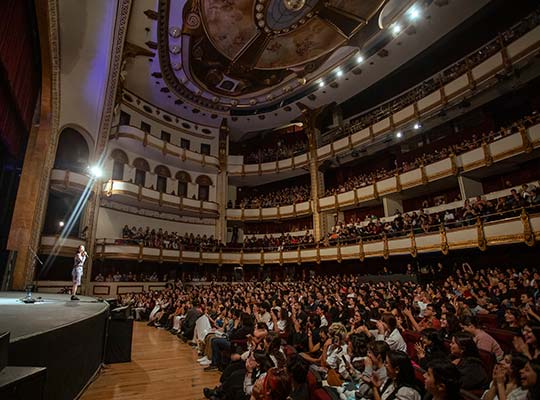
(436, 82)
(277, 243)
(373, 228)
(466, 144)
(158, 238)
(129, 277)
(280, 197)
(275, 153)
(476, 330)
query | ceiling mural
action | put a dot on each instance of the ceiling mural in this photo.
(242, 53)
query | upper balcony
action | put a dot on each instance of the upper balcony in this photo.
(142, 197)
(143, 143)
(484, 155)
(68, 181)
(476, 73)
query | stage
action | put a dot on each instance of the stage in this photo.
(67, 337)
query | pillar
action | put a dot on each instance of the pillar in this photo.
(222, 184)
(309, 118)
(337, 116)
(391, 204)
(32, 193)
(469, 187)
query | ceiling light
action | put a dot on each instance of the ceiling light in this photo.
(417, 126)
(396, 28)
(414, 13)
(399, 134)
(61, 224)
(339, 73)
(321, 84)
(359, 59)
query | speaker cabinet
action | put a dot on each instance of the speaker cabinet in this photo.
(119, 341)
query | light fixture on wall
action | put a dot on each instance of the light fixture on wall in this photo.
(294, 5)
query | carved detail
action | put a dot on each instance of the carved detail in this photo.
(482, 242)
(528, 234)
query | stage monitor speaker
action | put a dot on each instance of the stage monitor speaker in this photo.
(4, 349)
(21, 383)
(119, 341)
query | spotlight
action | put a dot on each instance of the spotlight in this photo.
(417, 126)
(96, 172)
(339, 72)
(414, 13)
(399, 134)
(396, 28)
(321, 84)
(359, 59)
(61, 224)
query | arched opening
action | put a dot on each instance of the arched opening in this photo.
(183, 179)
(72, 152)
(162, 173)
(119, 160)
(141, 168)
(204, 183)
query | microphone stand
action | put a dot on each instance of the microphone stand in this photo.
(28, 299)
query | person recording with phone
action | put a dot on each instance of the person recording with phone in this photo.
(77, 272)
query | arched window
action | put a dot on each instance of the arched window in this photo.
(162, 173)
(119, 160)
(72, 152)
(204, 183)
(141, 168)
(183, 179)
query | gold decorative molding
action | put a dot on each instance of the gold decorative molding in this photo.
(413, 250)
(528, 233)
(444, 240)
(488, 159)
(386, 252)
(527, 145)
(361, 253)
(482, 242)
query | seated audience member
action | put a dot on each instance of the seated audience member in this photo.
(530, 379)
(529, 343)
(335, 349)
(482, 339)
(188, 326)
(387, 330)
(400, 383)
(449, 325)
(373, 365)
(429, 321)
(506, 383)
(442, 380)
(275, 384)
(430, 347)
(298, 371)
(465, 356)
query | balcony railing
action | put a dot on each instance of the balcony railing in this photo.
(132, 193)
(482, 234)
(65, 180)
(164, 148)
(485, 155)
(385, 119)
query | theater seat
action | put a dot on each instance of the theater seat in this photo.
(487, 320)
(503, 337)
(488, 360)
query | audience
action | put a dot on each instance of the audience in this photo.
(257, 328)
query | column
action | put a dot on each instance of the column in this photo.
(391, 203)
(469, 187)
(222, 184)
(32, 193)
(337, 116)
(309, 118)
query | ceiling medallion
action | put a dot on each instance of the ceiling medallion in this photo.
(294, 5)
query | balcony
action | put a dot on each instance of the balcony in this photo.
(67, 181)
(66, 247)
(483, 156)
(517, 229)
(474, 79)
(147, 145)
(141, 197)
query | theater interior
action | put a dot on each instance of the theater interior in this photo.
(275, 199)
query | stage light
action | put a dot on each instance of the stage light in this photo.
(417, 126)
(359, 59)
(96, 172)
(399, 134)
(339, 72)
(61, 224)
(321, 84)
(413, 13)
(396, 28)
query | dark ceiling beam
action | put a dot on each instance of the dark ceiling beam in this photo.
(247, 58)
(345, 23)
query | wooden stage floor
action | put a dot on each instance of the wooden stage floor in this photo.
(162, 367)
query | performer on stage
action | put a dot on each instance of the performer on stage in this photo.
(77, 272)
